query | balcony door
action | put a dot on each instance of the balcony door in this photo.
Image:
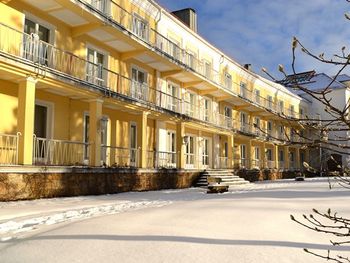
(140, 27)
(206, 148)
(42, 132)
(33, 47)
(243, 153)
(243, 120)
(172, 98)
(139, 89)
(94, 69)
(171, 150)
(190, 152)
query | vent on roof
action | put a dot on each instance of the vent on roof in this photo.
(188, 16)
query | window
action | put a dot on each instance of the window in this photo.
(228, 81)
(101, 5)
(257, 153)
(243, 120)
(205, 152)
(139, 87)
(257, 96)
(140, 27)
(243, 152)
(243, 90)
(281, 106)
(94, 69)
(269, 102)
(174, 48)
(191, 102)
(171, 148)
(292, 112)
(269, 128)
(257, 125)
(207, 109)
(33, 49)
(191, 60)
(207, 69)
(269, 155)
(172, 98)
(86, 136)
(281, 156)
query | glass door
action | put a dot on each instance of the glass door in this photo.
(205, 153)
(171, 150)
(190, 152)
(243, 153)
(94, 69)
(172, 92)
(34, 49)
(139, 84)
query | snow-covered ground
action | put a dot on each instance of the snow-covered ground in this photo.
(248, 224)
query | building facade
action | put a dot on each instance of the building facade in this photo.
(128, 84)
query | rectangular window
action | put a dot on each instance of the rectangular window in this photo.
(269, 155)
(171, 148)
(207, 69)
(228, 81)
(292, 112)
(269, 127)
(257, 153)
(281, 106)
(140, 27)
(191, 103)
(172, 98)
(34, 44)
(243, 90)
(270, 102)
(257, 96)
(94, 68)
(243, 120)
(139, 87)
(206, 109)
(281, 156)
(205, 152)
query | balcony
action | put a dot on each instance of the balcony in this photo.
(59, 152)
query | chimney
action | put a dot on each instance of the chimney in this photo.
(248, 67)
(188, 16)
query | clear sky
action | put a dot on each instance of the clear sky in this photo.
(260, 31)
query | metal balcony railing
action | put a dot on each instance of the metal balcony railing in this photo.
(121, 156)
(9, 149)
(59, 152)
(160, 159)
(140, 28)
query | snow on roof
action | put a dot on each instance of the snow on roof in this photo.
(321, 81)
(343, 78)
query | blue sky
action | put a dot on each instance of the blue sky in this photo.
(260, 31)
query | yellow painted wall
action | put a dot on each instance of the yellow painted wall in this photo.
(9, 106)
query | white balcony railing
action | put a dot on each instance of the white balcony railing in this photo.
(121, 156)
(9, 149)
(59, 152)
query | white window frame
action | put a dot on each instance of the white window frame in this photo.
(39, 21)
(50, 116)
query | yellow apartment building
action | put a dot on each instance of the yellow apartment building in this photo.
(126, 84)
